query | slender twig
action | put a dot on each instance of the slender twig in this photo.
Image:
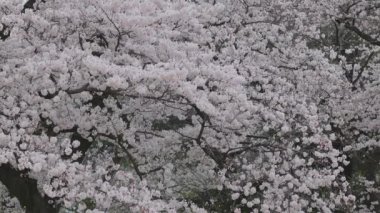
(119, 36)
(363, 66)
(362, 35)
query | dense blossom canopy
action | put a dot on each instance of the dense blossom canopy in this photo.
(190, 106)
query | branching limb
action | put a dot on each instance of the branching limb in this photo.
(119, 35)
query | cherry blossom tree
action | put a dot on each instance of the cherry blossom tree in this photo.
(189, 106)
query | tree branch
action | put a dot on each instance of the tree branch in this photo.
(361, 34)
(25, 190)
(363, 66)
(117, 29)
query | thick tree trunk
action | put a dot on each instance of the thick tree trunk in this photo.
(25, 190)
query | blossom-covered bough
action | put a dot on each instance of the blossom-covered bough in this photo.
(189, 106)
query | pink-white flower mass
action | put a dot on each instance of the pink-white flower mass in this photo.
(189, 106)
